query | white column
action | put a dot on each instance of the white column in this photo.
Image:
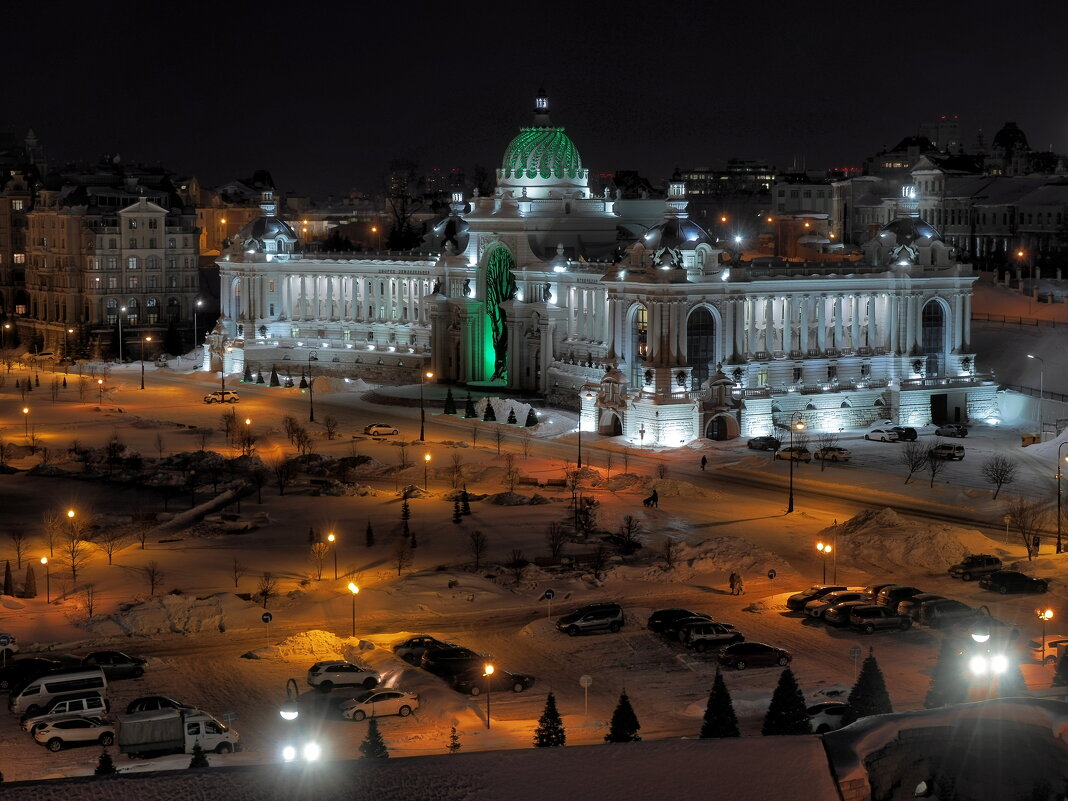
(873, 331)
(958, 322)
(802, 334)
(769, 323)
(966, 323)
(788, 324)
(854, 328)
(752, 346)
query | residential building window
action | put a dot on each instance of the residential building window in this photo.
(113, 263)
(152, 242)
(112, 314)
(133, 242)
(113, 282)
(131, 224)
(133, 283)
(270, 286)
(19, 258)
(272, 310)
(172, 263)
(173, 309)
(16, 205)
(112, 244)
(153, 282)
(152, 311)
(131, 311)
(171, 243)
(172, 281)
(131, 263)
(153, 224)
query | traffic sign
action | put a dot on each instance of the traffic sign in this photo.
(855, 651)
(1035, 542)
(549, 594)
(772, 574)
(266, 617)
(5, 640)
(585, 681)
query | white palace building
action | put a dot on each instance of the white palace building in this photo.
(625, 309)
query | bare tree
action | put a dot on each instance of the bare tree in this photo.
(456, 470)
(142, 534)
(331, 426)
(319, 551)
(90, 599)
(669, 552)
(599, 561)
(267, 588)
(237, 570)
(246, 440)
(258, 476)
(518, 564)
(935, 465)
(556, 537)
(110, 540)
(914, 456)
(159, 443)
(153, 574)
(229, 424)
(498, 437)
(626, 460)
(304, 442)
(204, 434)
(825, 440)
(402, 554)
(999, 470)
(608, 464)
(661, 470)
(20, 543)
(283, 474)
(290, 426)
(476, 545)
(526, 439)
(1028, 516)
(626, 540)
(474, 433)
(511, 474)
(74, 553)
(402, 447)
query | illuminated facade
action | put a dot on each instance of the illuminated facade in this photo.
(543, 287)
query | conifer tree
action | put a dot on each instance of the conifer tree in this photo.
(532, 417)
(200, 759)
(869, 695)
(373, 746)
(465, 503)
(406, 515)
(457, 515)
(511, 416)
(450, 402)
(247, 377)
(624, 725)
(787, 712)
(720, 720)
(948, 685)
(454, 741)
(259, 377)
(489, 416)
(370, 538)
(274, 377)
(9, 583)
(469, 408)
(550, 732)
(105, 766)
(29, 589)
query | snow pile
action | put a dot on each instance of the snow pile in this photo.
(877, 539)
(509, 499)
(717, 555)
(306, 645)
(672, 488)
(624, 482)
(179, 614)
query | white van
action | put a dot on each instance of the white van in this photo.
(36, 695)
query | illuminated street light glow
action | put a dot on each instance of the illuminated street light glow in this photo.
(289, 753)
(312, 752)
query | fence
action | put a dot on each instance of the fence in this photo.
(1028, 321)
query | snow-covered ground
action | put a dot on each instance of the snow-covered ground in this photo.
(728, 518)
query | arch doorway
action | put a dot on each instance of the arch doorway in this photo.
(721, 427)
(610, 425)
(933, 337)
(700, 343)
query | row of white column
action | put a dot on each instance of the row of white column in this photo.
(587, 314)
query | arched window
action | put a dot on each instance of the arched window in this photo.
(933, 337)
(639, 344)
(152, 310)
(131, 311)
(701, 343)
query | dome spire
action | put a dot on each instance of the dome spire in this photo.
(541, 110)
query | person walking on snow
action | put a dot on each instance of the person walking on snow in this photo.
(655, 498)
(740, 586)
(704, 461)
(733, 581)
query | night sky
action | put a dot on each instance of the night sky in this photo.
(324, 95)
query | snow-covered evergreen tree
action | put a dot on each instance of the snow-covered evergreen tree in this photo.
(105, 766)
(200, 759)
(373, 746)
(948, 683)
(869, 695)
(624, 725)
(787, 712)
(720, 720)
(550, 732)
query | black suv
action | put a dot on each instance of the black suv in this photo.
(595, 617)
(905, 434)
(894, 594)
(870, 618)
(764, 444)
(446, 662)
(978, 564)
(798, 600)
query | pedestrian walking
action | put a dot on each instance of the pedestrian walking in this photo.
(655, 498)
(740, 586)
(704, 462)
(733, 581)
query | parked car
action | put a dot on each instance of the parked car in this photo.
(834, 454)
(710, 636)
(445, 662)
(873, 590)
(798, 600)
(838, 615)
(376, 703)
(23, 670)
(905, 434)
(474, 681)
(380, 430)
(83, 705)
(594, 617)
(676, 628)
(33, 695)
(1054, 643)
(58, 734)
(116, 665)
(944, 450)
(412, 649)
(327, 675)
(974, 565)
(222, 396)
(744, 655)
(910, 607)
(817, 606)
(882, 435)
(151, 703)
(662, 617)
(940, 614)
(894, 594)
(826, 716)
(951, 430)
(764, 444)
(9, 648)
(1006, 581)
(794, 453)
(871, 618)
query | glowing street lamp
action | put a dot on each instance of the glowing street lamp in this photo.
(422, 407)
(488, 674)
(1044, 615)
(122, 313)
(798, 424)
(196, 306)
(48, 580)
(426, 464)
(333, 544)
(100, 388)
(355, 591)
(824, 548)
(143, 341)
(26, 419)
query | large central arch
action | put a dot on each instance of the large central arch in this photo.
(933, 336)
(700, 343)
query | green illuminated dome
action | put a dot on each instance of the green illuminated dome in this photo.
(545, 153)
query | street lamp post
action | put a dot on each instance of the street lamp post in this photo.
(489, 681)
(143, 341)
(1044, 615)
(66, 344)
(100, 391)
(355, 591)
(48, 580)
(1060, 469)
(422, 407)
(122, 312)
(290, 711)
(26, 420)
(1041, 389)
(799, 424)
(7, 327)
(311, 387)
(426, 464)
(196, 306)
(824, 548)
(333, 544)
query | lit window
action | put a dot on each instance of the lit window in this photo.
(19, 258)
(17, 205)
